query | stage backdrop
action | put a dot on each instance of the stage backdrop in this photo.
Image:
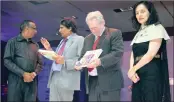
(43, 91)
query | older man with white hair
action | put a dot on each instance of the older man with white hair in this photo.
(103, 76)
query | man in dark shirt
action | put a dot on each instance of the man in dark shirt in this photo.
(23, 63)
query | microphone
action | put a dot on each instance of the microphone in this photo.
(57, 32)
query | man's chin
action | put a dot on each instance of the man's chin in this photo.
(62, 35)
(31, 36)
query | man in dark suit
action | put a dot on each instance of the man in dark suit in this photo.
(103, 76)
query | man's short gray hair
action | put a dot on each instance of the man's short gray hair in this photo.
(95, 15)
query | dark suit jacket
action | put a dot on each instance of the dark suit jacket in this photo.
(109, 73)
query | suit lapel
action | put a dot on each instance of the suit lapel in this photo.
(58, 46)
(69, 43)
(91, 41)
(102, 38)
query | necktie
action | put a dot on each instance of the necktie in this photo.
(94, 48)
(57, 67)
(60, 52)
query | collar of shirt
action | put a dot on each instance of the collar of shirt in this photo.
(67, 37)
(101, 33)
(21, 38)
(70, 36)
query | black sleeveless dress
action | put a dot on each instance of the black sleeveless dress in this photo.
(154, 79)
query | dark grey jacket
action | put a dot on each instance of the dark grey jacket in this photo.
(22, 56)
(109, 73)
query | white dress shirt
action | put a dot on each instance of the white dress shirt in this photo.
(94, 71)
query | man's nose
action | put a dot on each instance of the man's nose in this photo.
(139, 15)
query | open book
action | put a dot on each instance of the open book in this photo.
(48, 54)
(89, 57)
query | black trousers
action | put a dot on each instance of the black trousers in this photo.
(97, 94)
(20, 91)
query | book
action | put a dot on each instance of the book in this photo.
(48, 54)
(88, 57)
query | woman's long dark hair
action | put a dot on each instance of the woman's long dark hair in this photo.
(153, 17)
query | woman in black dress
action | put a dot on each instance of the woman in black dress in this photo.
(148, 62)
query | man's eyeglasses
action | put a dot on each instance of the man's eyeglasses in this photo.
(32, 27)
